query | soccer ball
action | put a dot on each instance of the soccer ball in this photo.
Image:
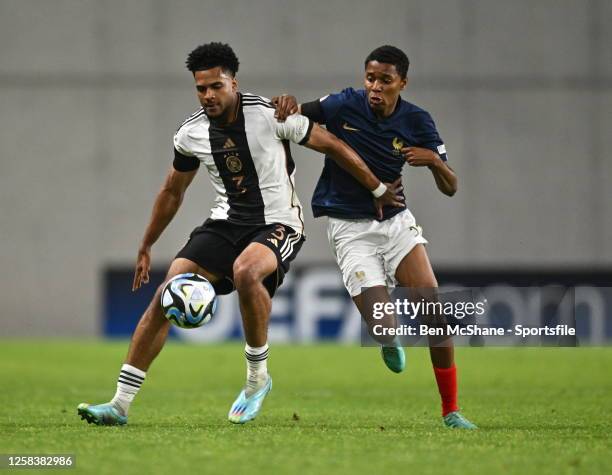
(188, 300)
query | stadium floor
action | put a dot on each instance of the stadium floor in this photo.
(333, 409)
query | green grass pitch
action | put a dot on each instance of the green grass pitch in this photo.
(333, 409)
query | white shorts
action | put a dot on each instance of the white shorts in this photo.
(369, 252)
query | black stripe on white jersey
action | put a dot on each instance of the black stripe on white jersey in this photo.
(248, 103)
(252, 99)
(230, 150)
(191, 118)
(247, 96)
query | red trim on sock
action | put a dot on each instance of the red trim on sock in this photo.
(447, 386)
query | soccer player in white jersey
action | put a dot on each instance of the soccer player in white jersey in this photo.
(375, 253)
(255, 227)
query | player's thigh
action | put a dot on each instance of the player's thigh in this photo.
(255, 262)
(355, 245)
(181, 265)
(415, 270)
(269, 248)
(268, 254)
(212, 248)
(404, 253)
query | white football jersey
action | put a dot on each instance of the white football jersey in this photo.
(249, 162)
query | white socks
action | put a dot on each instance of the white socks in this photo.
(257, 368)
(128, 384)
(131, 378)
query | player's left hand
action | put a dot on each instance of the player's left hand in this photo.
(392, 197)
(286, 105)
(143, 265)
(420, 157)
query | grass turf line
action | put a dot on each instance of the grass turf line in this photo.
(539, 410)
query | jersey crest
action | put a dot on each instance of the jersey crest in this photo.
(398, 145)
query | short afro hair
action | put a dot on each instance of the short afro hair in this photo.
(390, 55)
(211, 55)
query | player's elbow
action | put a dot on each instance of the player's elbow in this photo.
(449, 189)
(324, 142)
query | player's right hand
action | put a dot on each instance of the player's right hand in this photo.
(286, 105)
(392, 197)
(143, 264)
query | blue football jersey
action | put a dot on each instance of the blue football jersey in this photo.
(349, 117)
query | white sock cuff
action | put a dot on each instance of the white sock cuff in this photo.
(134, 370)
(255, 350)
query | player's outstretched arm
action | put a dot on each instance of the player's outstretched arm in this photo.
(324, 142)
(166, 205)
(445, 176)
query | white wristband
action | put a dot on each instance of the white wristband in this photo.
(380, 190)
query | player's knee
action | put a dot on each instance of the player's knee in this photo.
(155, 308)
(153, 315)
(157, 296)
(245, 276)
(426, 290)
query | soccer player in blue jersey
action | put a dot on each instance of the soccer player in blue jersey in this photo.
(376, 254)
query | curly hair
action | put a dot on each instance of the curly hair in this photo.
(211, 55)
(390, 55)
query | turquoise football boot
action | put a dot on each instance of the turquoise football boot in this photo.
(455, 420)
(394, 357)
(101, 415)
(246, 408)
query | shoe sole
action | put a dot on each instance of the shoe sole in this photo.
(241, 421)
(460, 427)
(93, 419)
(87, 416)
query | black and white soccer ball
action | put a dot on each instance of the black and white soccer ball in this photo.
(188, 300)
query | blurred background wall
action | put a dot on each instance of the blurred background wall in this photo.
(91, 93)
